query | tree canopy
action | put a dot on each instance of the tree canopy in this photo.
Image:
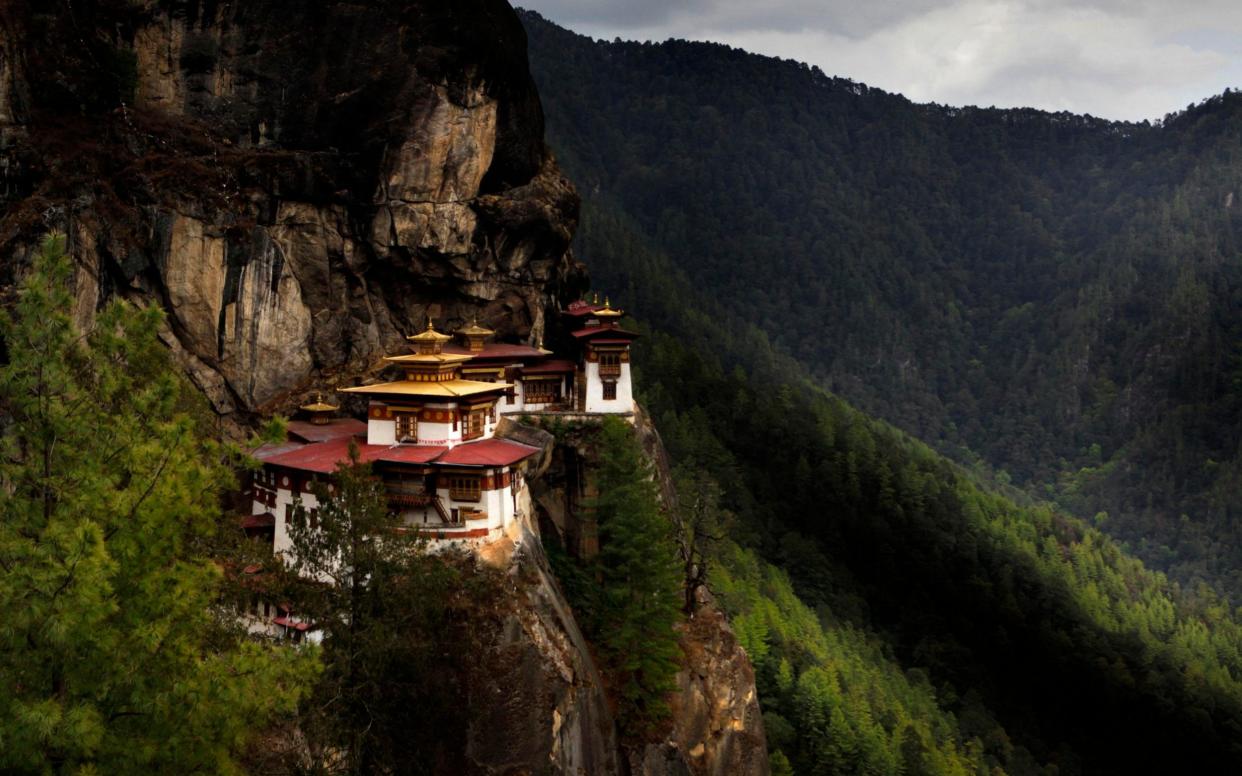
(111, 656)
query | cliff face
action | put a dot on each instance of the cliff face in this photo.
(716, 724)
(298, 184)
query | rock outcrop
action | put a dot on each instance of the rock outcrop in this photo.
(542, 702)
(717, 725)
(298, 184)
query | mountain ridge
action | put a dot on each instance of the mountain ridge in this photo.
(1043, 296)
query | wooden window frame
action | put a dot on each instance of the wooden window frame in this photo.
(475, 424)
(549, 391)
(610, 363)
(408, 419)
(610, 387)
(465, 487)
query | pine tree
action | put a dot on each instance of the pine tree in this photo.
(110, 658)
(641, 579)
(389, 612)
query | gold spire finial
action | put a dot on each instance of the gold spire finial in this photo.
(596, 298)
(607, 304)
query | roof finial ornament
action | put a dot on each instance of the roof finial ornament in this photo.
(596, 298)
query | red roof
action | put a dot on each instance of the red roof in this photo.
(495, 350)
(323, 457)
(288, 622)
(319, 457)
(487, 452)
(265, 520)
(403, 453)
(593, 331)
(311, 432)
(581, 307)
(549, 367)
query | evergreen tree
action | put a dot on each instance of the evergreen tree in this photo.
(641, 579)
(390, 612)
(110, 659)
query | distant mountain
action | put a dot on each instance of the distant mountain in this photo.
(1053, 299)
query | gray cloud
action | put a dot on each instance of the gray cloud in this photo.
(1130, 59)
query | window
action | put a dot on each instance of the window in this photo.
(610, 364)
(407, 426)
(542, 391)
(474, 424)
(464, 487)
(610, 391)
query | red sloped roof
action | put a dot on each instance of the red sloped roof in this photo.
(493, 350)
(265, 520)
(289, 622)
(595, 331)
(323, 457)
(580, 308)
(311, 432)
(549, 367)
(403, 453)
(487, 452)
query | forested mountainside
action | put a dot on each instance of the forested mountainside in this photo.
(1052, 299)
(900, 614)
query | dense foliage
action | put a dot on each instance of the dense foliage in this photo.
(628, 597)
(834, 699)
(639, 599)
(400, 626)
(1049, 297)
(111, 660)
(1048, 643)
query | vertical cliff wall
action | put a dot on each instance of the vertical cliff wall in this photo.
(298, 184)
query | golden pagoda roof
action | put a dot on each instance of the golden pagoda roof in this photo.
(607, 312)
(428, 358)
(319, 405)
(448, 389)
(429, 335)
(475, 330)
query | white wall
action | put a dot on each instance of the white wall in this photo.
(595, 391)
(282, 545)
(381, 432)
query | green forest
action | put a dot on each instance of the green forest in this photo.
(1049, 299)
(1042, 584)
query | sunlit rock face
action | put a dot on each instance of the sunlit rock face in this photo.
(298, 184)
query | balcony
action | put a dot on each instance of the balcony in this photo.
(609, 370)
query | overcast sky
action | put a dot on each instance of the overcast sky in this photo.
(1122, 59)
